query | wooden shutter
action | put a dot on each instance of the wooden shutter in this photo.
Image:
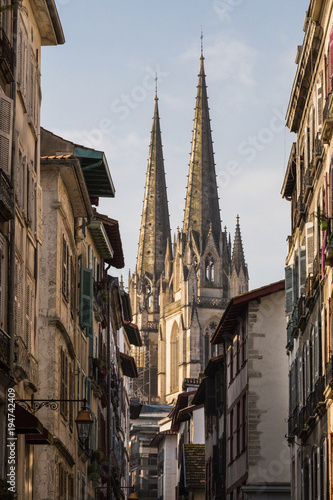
(301, 270)
(316, 352)
(307, 368)
(309, 236)
(289, 292)
(319, 105)
(306, 149)
(2, 284)
(88, 391)
(17, 296)
(6, 118)
(300, 380)
(86, 300)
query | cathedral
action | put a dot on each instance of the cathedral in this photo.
(180, 289)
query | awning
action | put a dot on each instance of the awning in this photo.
(101, 240)
(44, 438)
(112, 230)
(158, 438)
(26, 422)
(133, 334)
(128, 365)
(135, 408)
(96, 172)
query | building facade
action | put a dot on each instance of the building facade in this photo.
(308, 187)
(24, 30)
(179, 289)
(246, 447)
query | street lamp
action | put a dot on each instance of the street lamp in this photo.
(83, 420)
(83, 424)
(133, 496)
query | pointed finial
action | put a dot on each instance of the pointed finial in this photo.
(201, 42)
(156, 78)
(237, 218)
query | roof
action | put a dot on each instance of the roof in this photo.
(133, 333)
(181, 403)
(128, 365)
(290, 176)
(96, 172)
(47, 19)
(194, 466)
(93, 163)
(72, 176)
(101, 240)
(111, 227)
(158, 438)
(135, 408)
(230, 319)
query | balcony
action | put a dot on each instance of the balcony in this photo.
(290, 339)
(26, 366)
(327, 119)
(6, 198)
(7, 57)
(318, 154)
(4, 350)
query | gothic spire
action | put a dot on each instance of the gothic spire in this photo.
(238, 259)
(155, 224)
(202, 205)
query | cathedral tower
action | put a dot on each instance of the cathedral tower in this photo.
(179, 291)
(144, 285)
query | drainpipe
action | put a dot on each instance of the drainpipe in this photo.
(11, 267)
(225, 408)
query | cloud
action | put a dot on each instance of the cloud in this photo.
(229, 59)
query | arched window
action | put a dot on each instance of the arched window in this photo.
(174, 358)
(210, 268)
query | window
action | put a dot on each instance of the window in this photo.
(231, 365)
(231, 437)
(65, 269)
(238, 428)
(63, 476)
(29, 312)
(174, 357)
(244, 415)
(6, 110)
(86, 300)
(210, 269)
(63, 383)
(17, 295)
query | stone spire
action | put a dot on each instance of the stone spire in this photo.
(155, 223)
(238, 259)
(202, 205)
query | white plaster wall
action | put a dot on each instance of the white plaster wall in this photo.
(272, 390)
(198, 426)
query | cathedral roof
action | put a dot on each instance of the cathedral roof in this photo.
(238, 259)
(202, 204)
(155, 224)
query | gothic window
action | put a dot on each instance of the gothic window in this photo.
(174, 357)
(209, 350)
(210, 268)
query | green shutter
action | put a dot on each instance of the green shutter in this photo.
(86, 300)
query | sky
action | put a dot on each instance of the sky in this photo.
(98, 90)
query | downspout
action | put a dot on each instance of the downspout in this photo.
(108, 410)
(11, 267)
(225, 407)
